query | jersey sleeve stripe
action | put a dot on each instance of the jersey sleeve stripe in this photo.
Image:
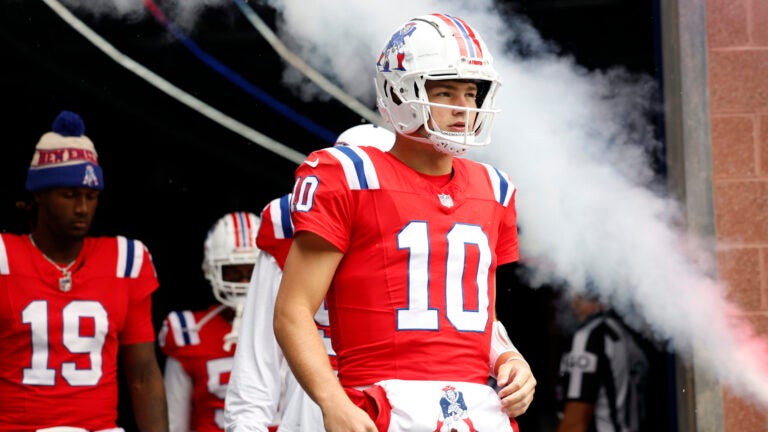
(122, 256)
(4, 270)
(183, 328)
(502, 186)
(177, 330)
(280, 213)
(130, 257)
(358, 168)
(138, 258)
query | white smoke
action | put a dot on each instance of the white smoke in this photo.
(576, 145)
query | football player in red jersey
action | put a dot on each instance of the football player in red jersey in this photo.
(200, 345)
(403, 247)
(259, 391)
(71, 304)
(260, 388)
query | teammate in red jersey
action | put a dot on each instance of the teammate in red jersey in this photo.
(403, 246)
(261, 388)
(71, 304)
(200, 345)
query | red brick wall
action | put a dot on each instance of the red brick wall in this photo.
(737, 38)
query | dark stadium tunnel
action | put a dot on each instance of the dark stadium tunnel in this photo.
(170, 172)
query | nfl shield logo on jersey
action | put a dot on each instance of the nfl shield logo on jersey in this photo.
(445, 200)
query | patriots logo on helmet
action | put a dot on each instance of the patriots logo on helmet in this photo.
(395, 48)
(453, 412)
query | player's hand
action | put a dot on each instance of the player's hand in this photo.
(347, 418)
(517, 386)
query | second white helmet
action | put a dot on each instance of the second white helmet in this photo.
(367, 135)
(230, 241)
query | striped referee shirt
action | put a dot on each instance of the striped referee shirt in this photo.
(605, 366)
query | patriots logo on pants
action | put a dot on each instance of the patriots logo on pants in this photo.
(453, 412)
(415, 405)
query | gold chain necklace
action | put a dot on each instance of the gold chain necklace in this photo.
(65, 281)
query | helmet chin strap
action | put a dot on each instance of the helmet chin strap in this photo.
(437, 137)
(434, 141)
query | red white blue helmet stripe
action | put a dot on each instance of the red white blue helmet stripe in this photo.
(469, 45)
(243, 230)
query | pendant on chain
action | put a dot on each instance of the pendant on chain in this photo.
(65, 282)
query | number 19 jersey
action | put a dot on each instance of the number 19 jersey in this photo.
(59, 360)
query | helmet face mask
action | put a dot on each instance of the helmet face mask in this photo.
(477, 124)
(230, 242)
(227, 292)
(428, 48)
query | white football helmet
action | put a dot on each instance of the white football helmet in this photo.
(231, 241)
(367, 135)
(436, 47)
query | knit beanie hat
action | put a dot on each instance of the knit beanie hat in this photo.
(65, 157)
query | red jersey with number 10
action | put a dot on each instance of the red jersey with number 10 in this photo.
(413, 296)
(59, 361)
